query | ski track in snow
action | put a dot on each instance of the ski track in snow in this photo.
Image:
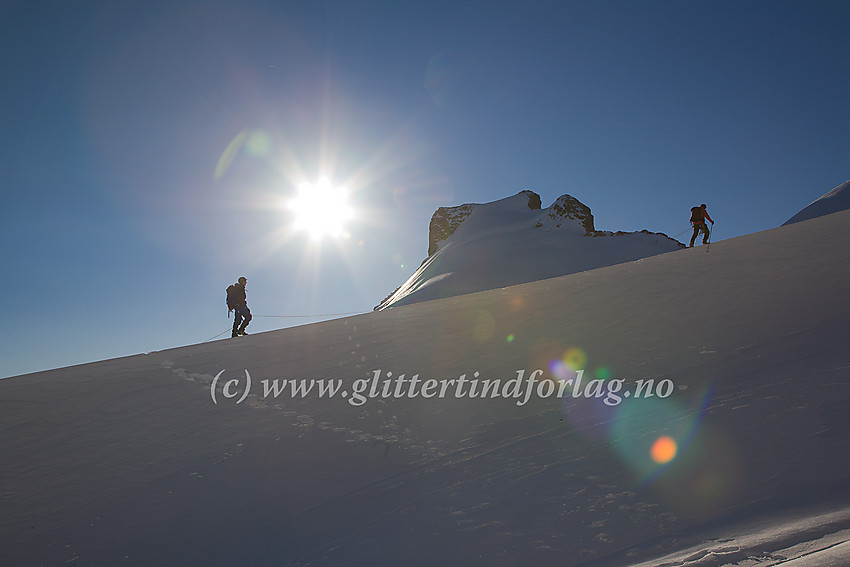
(392, 434)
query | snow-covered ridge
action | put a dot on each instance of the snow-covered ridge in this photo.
(838, 199)
(446, 220)
(475, 247)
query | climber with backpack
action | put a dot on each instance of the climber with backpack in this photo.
(698, 217)
(238, 303)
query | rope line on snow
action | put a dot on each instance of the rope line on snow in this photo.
(292, 316)
(217, 336)
(319, 315)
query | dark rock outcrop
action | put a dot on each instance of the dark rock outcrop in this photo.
(567, 207)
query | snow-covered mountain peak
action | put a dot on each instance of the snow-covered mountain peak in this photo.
(446, 220)
(519, 211)
(475, 247)
(568, 208)
(838, 199)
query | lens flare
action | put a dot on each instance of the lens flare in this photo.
(258, 144)
(561, 371)
(602, 373)
(229, 154)
(566, 368)
(650, 432)
(255, 143)
(663, 450)
(516, 303)
(575, 358)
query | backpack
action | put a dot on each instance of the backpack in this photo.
(231, 299)
(697, 216)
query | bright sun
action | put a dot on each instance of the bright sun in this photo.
(321, 209)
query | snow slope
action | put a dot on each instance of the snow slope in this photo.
(129, 461)
(506, 243)
(838, 199)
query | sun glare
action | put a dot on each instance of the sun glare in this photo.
(321, 209)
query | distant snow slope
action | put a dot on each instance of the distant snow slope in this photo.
(129, 461)
(836, 200)
(506, 242)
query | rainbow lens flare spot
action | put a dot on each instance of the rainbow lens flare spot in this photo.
(510, 338)
(575, 358)
(663, 450)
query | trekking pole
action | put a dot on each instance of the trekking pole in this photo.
(707, 248)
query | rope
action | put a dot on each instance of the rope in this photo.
(683, 232)
(291, 316)
(217, 336)
(320, 315)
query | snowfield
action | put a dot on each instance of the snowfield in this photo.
(745, 462)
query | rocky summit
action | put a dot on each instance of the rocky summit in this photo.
(475, 247)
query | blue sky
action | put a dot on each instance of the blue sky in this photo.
(125, 216)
